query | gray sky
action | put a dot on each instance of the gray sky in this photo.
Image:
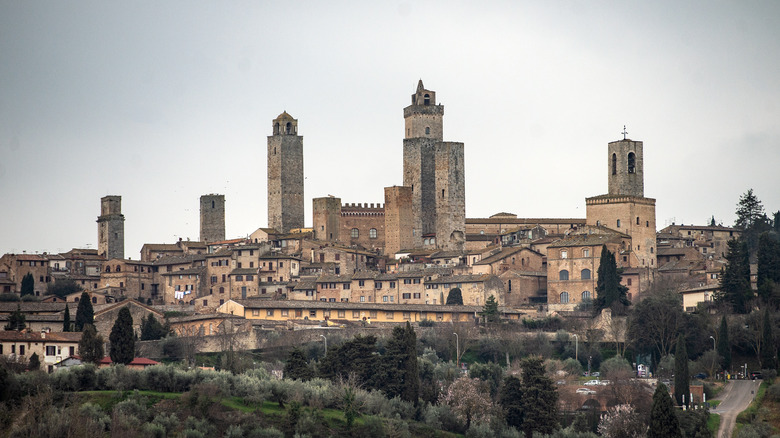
(161, 102)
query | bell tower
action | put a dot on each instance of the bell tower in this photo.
(285, 175)
(423, 118)
(626, 167)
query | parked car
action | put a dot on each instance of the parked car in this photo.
(585, 391)
(700, 376)
(605, 382)
(595, 374)
(756, 375)
(592, 383)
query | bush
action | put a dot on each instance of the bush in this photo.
(613, 366)
(269, 432)
(773, 392)
(9, 297)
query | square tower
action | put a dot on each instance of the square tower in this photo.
(285, 175)
(399, 219)
(111, 228)
(326, 214)
(212, 218)
(434, 170)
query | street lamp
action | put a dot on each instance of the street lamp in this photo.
(326, 343)
(576, 347)
(457, 350)
(713, 342)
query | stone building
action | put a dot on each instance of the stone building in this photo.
(434, 170)
(111, 228)
(14, 267)
(350, 224)
(285, 175)
(399, 219)
(134, 279)
(212, 218)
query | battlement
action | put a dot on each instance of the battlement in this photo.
(362, 209)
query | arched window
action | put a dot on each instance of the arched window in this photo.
(563, 275)
(614, 164)
(585, 295)
(427, 99)
(427, 130)
(564, 298)
(288, 128)
(276, 128)
(618, 223)
(372, 233)
(637, 220)
(221, 290)
(108, 268)
(354, 233)
(631, 162)
(585, 274)
(118, 269)
(510, 286)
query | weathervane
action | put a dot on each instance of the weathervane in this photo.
(624, 132)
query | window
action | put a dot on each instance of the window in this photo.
(392, 285)
(416, 295)
(564, 298)
(249, 277)
(614, 164)
(564, 254)
(637, 220)
(239, 278)
(312, 313)
(205, 303)
(221, 290)
(21, 350)
(389, 315)
(427, 130)
(585, 274)
(355, 233)
(586, 253)
(342, 313)
(51, 351)
(618, 223)
(509, 288)
(628, 282)
(407, 296)
(269, 312)
(346, 286)
(356, 313)
(372, 314)
(372, 233)
(362, 299)
(407, 315)
(563, 275)
(213, 279)
(384, 299)
(631, 162)
(338, 256)
(255, 312)
(585, 295)
(378, 284)
(361, 283)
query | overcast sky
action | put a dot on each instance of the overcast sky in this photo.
(161, 102)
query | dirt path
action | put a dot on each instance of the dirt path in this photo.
(736, 397)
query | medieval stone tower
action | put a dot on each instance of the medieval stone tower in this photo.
(111, 228)
(285, 175)
(624, 208)
(434, 169)
(212, 218)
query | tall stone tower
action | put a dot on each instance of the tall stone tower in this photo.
(327, 218)
(434, 170)
(111, 228)
(624, 208)
(285, 175)
(626, 168)
(212, 218)
(399, 219)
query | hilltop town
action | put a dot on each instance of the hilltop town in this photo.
(395, 261)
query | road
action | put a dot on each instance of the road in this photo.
(736, 397)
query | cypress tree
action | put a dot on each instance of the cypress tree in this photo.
(455, 297)
(663, 421)
(401, 375)
(768, 349)
(297, 367)
(511, 401)
(411, 388)
(84, 313)
(66, 320)
(724, 345)
(735, 278)
(540, 398)
(28, 285)
(35, 363)
(682, 379)
(609, 291)
(91, 345)
(122, 339)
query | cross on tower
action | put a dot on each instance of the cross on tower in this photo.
(624, 132)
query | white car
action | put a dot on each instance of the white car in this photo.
(585, 391)
(592, 383)
(605, 382)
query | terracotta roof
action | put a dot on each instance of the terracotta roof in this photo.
(334, 279)
(189, 271)
(161, 247)
(31, 307)
(12, 335)
(125, 303)
(305, 285)
(472, 278)
(136, 361)
(256, 303)
(510, 220)
(284, 116)
(364, 275)
(587, 240)
(177, 260)
(243, 271)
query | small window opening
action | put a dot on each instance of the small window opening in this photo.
(631, 162)
(614, 164)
